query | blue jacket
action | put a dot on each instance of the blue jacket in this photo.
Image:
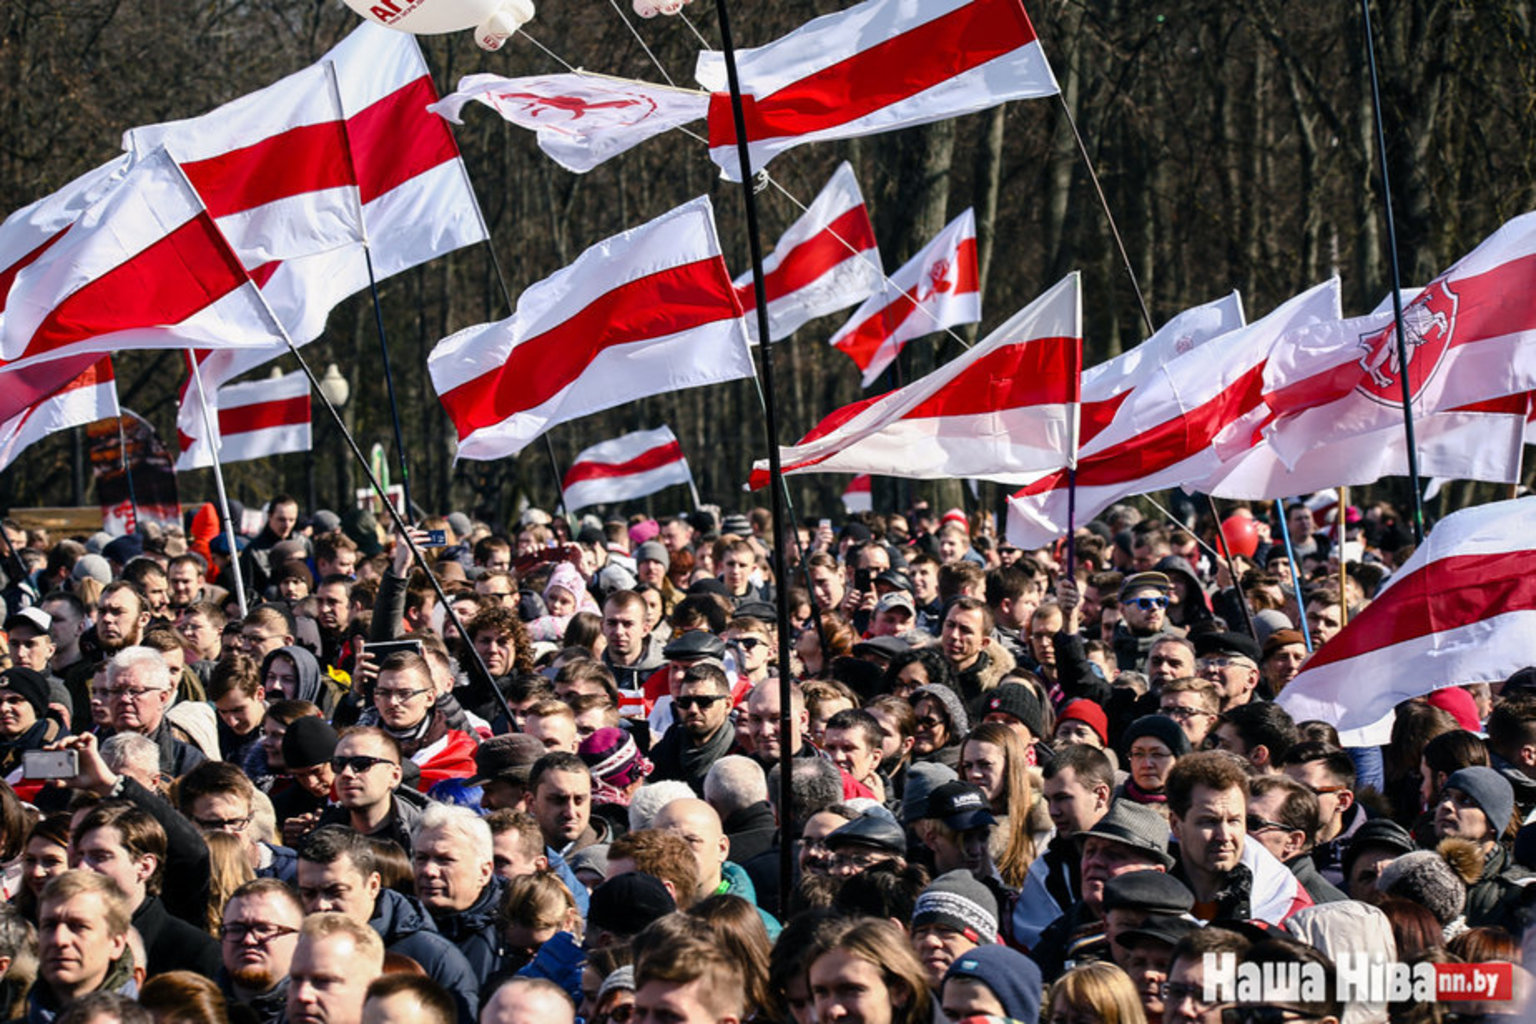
(474, 931)
(407, 929)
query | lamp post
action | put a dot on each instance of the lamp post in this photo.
(336, 391)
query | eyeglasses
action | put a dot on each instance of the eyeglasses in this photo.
(261, 932)
(1224, 661)
(1258, 825)
(929, 722)
(621, 1014)
(1328, 790)
(256, 639)
(698, 700)
(398, 696)
(131, 692)
(359, 763)
(1181, 713)
(224, 824)
(857, 860)
(1146, 604)
(1263, 1015)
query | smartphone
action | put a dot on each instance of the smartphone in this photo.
(50, 764)
(863, 579)
(826, 524)
(381, 649)
(436, 538)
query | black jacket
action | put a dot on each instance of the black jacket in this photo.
(751, 830)
(407, 929)
(173, 944)
(474, 929)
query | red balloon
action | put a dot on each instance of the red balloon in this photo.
(1242, 534)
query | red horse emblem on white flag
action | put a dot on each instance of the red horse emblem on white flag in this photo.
(1429, 322)
(551, 113)
(940, 280)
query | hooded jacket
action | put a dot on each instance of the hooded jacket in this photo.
(407, 929)
(473, 930)
(1491, 898)
(399, 826)
(313, 686)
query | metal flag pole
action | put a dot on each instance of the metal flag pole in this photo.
(211, 434)
(1290, 554)
(1415, 487)
(775, 470)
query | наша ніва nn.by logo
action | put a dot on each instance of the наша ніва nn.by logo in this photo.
(1357, 978)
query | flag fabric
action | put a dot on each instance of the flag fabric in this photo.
(414, 192)
(84, 398)
(27, 233)
(825, 262)
(255, 420)
(580, 120)
(935, 289)
(1461, 610)
(1471, 337)
(145, 267)
(858, 496)
(875, 67)
(645, 312)
(625, 468)
(1174, 427)
(1006, 409)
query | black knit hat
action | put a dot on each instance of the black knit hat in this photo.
(1159, 727)
(308, 741)
(28, 684)
(1017, 701)
(626, 903)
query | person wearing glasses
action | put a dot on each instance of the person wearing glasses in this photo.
(1282, 817)
(1183, 993)
(702, 733)
(139, 691)
(406, 699)
(1143, 618)
(369, 797)
(1153, 743)
(218, 797)
(1231, 661)
(1329, 772)
(1194, 703)
(256, 943)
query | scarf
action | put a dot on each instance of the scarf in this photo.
(432, 727)
(696, 760)
(1141, 796)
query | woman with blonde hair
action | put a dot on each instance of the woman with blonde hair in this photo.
(994, 759)
(229, 866)
(740, 928)
(1095, 993)
(184, 997)
(864, 969)
(534, 909)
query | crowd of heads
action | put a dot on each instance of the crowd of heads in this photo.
(560, 769)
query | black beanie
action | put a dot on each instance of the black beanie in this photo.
(309, 741)
(1159, 727)
(28, 684)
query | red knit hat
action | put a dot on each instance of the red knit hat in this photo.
(1087, 712)
(1458, 703)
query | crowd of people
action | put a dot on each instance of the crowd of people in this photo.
(545, 783)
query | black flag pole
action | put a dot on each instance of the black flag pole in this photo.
(1397, 281)
(775, 470)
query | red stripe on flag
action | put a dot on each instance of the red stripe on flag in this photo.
(396, 139)
(1040, 371)
(8, 275)
(308, 158)
(1096, 417)
(280, 412)
(1165, 445)
(655, 458)
(668, 302)
(864, 341)
(184, 272)
(849, 234)
(891, 70)
(1446, 594)
(837, 417)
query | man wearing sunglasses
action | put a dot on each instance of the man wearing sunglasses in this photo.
(1143, 618)
(702, 732)
(1283, 818)
(369, 797)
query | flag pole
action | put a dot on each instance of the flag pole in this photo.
(122, 456)
(1290, 554)
(1339, 525)
(1226, 553)
(373, 289)
(775, 470)
(1415, 487)
(210, 432)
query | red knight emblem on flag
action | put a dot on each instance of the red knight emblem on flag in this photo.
(1429, 322)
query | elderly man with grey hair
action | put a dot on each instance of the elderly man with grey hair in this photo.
(737, 789)
(137, 757)
(139, 691)
(453, 860)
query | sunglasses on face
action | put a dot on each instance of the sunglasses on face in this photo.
(1146, 604)
(749, 643)
(359, 763)
(699, 700)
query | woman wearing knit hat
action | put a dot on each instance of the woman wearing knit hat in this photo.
(1152, 744)
(1478, 805)
(24, 722)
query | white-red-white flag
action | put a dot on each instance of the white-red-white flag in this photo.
(415, 195)
(1471, 336)
(255, 420)
(858, 496)
(27, 233)
(86, 397)
(580, 120)
(644, 312)
(625, 468)
(145, 267)
(825, 262)
(875, 67)
(1173, 427)
(1461, 610)
(1002, 411)
(935, 289)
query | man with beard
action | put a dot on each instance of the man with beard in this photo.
(333, 614)
(1143, 617)
(121, 618)
(702, 733)
(257, 939)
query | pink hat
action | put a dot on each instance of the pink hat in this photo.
(1458, 703)
(956, 515)
(644, 531)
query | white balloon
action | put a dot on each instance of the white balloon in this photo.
(651, 8)
(493, 20)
